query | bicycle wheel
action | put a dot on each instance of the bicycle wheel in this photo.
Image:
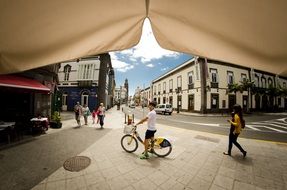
(163, 149)
(129, 143)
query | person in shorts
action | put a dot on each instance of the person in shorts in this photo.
(151, 129)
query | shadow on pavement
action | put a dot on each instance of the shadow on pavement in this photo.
(26, 165)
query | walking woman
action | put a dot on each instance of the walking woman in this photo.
(101, 114)
(235, 129)
(86, 113)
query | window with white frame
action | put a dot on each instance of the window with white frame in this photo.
(263, 81)
(284, 84)
(164, 87)
(67, 70)
(159, 88)
(243, 77)
(270, 82)
(256, 82)
(190, 77)
(179, 80)
(230, 77)
(170, 85)
(154, 92)
(214, 75)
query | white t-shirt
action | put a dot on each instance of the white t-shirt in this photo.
(151, 120)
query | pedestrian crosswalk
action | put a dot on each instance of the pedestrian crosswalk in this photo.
(276, 125)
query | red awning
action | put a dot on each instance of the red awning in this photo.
(21, 82)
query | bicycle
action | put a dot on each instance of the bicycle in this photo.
(129, 142)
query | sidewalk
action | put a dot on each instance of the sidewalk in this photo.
(196, 162)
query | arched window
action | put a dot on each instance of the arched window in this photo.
(85, 98)
(270, 82)
(263, 80)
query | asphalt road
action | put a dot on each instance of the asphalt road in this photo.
(261, 127)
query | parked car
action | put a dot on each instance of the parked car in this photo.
(163, 108)
(132, 105)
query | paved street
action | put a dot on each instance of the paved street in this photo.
(272, 127)
(196, 161)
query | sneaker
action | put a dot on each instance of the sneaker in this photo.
(226, 153)
(244, 154)
(144, 156)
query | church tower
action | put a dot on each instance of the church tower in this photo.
(126, 85)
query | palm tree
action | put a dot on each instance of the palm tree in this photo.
(248, 85)
(235, 87)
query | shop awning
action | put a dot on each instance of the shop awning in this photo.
(250, 33)
(21, 82)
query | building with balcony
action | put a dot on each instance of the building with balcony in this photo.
(88, 80)
(203, 85)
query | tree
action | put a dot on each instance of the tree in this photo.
(248, 85)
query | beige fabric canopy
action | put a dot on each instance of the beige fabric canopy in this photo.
(35, 33)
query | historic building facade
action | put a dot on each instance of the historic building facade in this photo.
(203, 85)
(120, 95)
(88, 80)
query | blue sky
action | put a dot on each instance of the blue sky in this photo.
(144, 62)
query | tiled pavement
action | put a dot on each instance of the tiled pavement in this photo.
(196, 162)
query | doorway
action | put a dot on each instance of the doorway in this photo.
(191, 102)
(179, 102)
(64, 101)
(244, 102)
(257, 102)
(85, 98)
(231, 101)
(214, 102)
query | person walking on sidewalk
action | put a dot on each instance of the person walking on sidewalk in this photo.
(78, 113)
(86, 113)
(101, 114)
(236, 123)
(151, 129)
(94, 115)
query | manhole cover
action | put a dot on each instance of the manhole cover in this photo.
(214, 140)
(77, 163)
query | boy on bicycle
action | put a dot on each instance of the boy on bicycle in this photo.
(149, 135)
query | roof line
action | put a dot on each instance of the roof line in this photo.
(174, 69)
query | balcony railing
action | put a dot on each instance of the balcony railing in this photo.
(214, 84)
(190, 86)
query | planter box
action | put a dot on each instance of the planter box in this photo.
(55, 125)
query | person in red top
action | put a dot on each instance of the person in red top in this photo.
(94, 115)
(235, 129)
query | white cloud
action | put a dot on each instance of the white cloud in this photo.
(148, 49)
(150, 65)
(164, 69)
(120, 65)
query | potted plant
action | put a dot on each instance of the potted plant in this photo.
(56, 120)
